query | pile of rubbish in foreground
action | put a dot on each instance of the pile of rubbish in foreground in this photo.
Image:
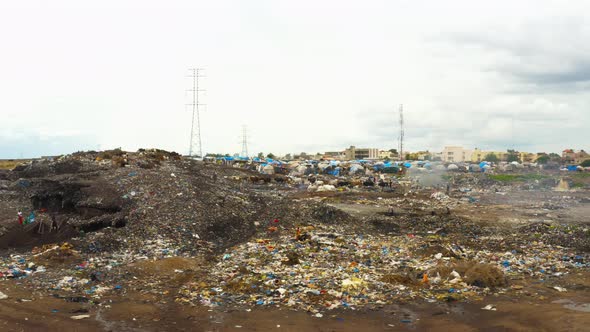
(192, 233)
(318, 269)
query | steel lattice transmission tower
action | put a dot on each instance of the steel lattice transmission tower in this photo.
(195, 148)
(244, 141)
(401, 131)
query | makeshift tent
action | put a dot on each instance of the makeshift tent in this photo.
(268, 169)
(474, 168)
(378, 166)
(391, 170)
(335, 171)
(355, 168)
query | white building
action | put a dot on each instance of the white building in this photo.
(455, 154)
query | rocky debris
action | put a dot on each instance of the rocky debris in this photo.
(196, 233)
(330, 270)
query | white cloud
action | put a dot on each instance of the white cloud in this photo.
(302, 75)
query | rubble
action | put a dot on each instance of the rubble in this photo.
(339, 270)
(322, 237)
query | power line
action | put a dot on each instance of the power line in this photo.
(195, 147)
(244, 141)
(401, 131)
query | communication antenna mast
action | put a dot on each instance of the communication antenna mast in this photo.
(401, 131)
(244, 141)
(195, 148)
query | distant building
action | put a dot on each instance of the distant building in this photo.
(334, 155)
(354, 153)
(386, 154)
(478, 155)
(453, 154)
(527, 157)
(423, 155)
(572, 157)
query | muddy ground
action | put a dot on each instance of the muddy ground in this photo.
(531, 311)
(140, 233)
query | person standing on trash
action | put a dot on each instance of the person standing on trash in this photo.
(21, 218)
(53, 223)
(390, 210)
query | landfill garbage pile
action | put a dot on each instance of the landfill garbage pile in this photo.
(115, 209)
(230, 236)
(318, 269)
(119, 203)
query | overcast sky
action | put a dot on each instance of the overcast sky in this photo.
(302, 75)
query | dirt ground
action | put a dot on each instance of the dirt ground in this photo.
(553, 311)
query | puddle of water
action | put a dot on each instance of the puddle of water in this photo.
(571, 305)
(583, 307)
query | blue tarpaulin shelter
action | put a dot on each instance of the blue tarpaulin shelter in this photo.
(572, 168)
(335, 171)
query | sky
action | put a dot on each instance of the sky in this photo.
(302, 75)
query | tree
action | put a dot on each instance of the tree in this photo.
(408, 156)
(543, 160)
(260, 155)
(585, 163)
(271, 156)
(288, 156)
(491, 158)
(512, 156)
(394, 151)
(554, 157)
